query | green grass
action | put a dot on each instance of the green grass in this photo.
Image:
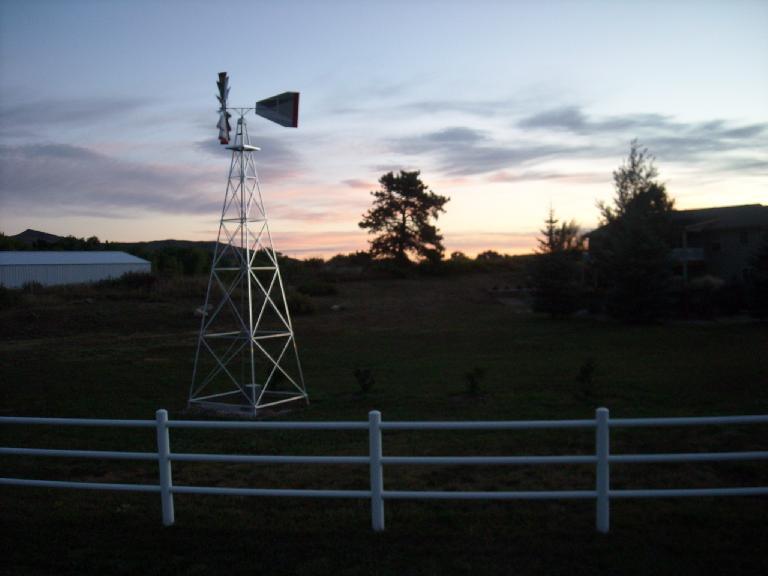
(116, 353)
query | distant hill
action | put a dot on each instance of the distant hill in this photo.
(30, 236)
(156, 245)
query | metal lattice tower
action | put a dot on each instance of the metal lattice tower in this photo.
(246, 358)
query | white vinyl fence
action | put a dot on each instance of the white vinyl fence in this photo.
(601, 459)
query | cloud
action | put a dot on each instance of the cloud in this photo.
(359, 184)
(464, 151)
(714, 147)
(481, 108)
(701, 141)
(29, 118)
(333, 210)
(275, 161)
(328, 243)
(573, 119)
(665, 137)
(532, 175)
(65, 179)
(474, 242)
(392, 167)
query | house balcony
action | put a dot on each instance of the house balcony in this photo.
(688, 254)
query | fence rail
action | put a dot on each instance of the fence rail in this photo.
(601, 459)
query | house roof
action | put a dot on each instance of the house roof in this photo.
(722, 218)
(719, 218)
(42, 258)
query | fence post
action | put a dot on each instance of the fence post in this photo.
(377, 474)
(602, 441)
(164, 463)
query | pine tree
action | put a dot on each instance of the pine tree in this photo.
(402, 212)
(630, 252)
(556, 270)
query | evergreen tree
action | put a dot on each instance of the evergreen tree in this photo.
(401, 216)
(556, 269)
(630, 252)
(758, 281)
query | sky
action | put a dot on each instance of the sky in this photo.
(108, 112)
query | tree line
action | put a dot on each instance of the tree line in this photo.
(623, 268)
(167, 258)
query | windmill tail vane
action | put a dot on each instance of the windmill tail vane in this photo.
(281, 109)
(247, 358)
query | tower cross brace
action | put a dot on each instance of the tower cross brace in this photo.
(246, 358)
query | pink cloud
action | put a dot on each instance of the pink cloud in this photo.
(301, 244)
(472, 243)
(359, 184)
(528, 176)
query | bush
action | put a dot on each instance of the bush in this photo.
(131, 280)
(473, 380)
(731, 299)
(9, 297)
(585, 378)
(364, 378)
(31, 287)
(758, 282)
(317, 288)
(702, 296)
(299, 304)
(556, 286)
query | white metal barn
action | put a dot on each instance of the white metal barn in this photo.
(51, 268)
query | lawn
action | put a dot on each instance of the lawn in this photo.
(120, 353)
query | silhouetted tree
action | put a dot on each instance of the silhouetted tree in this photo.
(630, 252)
(758, 281)
(402, 212)
(195, 261)
(8, 243)
(564, 238)
(556, 270)
(93, 243)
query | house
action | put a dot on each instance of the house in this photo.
(66, 267)
(718, 242)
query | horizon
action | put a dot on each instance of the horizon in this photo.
(507, 110)
(473, 255)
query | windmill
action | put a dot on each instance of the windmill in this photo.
(246, 358)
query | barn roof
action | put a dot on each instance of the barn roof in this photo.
(64, 257)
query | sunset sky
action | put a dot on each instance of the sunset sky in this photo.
(108, 111)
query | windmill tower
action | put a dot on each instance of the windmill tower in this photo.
(246, 357)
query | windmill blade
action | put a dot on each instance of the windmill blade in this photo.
(223, 85)
(282, 109)
(224, 127)
(224, 116)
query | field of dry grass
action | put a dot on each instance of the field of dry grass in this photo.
(118, 352)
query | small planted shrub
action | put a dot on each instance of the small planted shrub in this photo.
(317, 288)
(364, 378)
(300, 304)
(473, 380)
(8, 297)
(585, 378)
(132, 281)
(31, 287)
